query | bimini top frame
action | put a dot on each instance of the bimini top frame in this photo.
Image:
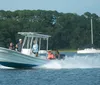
(29, 36)
(34, 34)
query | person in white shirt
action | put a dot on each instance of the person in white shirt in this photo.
(35, 48)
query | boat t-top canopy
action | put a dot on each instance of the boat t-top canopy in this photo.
(34, 34)
(29, 38)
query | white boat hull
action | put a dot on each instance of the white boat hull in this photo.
(15, 59)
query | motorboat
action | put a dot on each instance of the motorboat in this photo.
(25, 58)
(16, 59)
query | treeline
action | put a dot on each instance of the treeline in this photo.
(68, 30)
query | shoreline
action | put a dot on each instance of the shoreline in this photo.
(67, 50)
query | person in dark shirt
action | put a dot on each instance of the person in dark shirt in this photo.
(19, 45)
(57, 54)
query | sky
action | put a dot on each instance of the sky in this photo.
(65, 6)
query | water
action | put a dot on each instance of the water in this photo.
(74, 70)
(74, 60)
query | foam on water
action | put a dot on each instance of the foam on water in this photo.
(4, 67)
(76, 61)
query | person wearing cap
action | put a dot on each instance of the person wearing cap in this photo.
(19, 45)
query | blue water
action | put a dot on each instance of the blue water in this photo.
(74, 70)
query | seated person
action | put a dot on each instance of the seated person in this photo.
(11, 46)
(16, 47)
(57, 54)
(50, 55)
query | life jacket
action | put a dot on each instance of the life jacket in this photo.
(51, 55)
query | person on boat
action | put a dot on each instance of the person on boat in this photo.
(50, 55)
(16, 47)
(57, 54)
(19, 45)
(11, 46)
(35, 48)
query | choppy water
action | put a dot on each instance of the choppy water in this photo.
(74, 70)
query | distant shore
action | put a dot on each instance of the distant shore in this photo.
(67, 50)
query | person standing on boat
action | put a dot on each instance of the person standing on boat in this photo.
(11, 46)
(19, 45)
(35, 48)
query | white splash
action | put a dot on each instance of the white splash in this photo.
(75, 62)
(4, 67)
(52, 65)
